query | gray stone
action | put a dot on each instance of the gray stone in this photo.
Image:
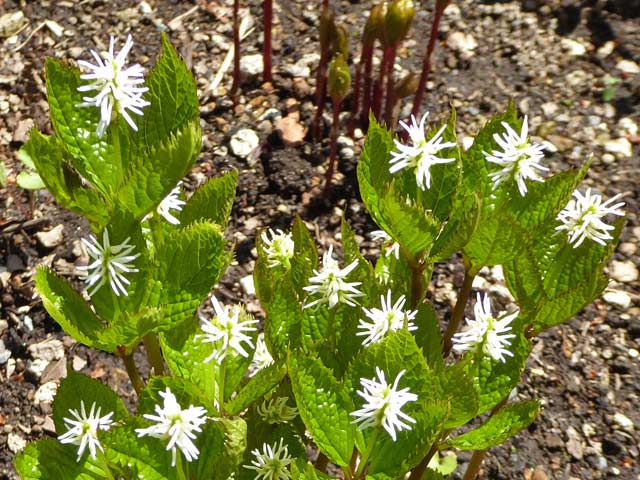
(52, 238)
(624, 272)
(244, 143)
(15, 442)
(251, 65)
(617, 298)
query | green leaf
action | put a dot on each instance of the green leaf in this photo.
(185, 357)
(396, 458)
(49, 459)
(76, 388)
(324, 407)
(443, 465)
(152, 176)
(553, 281)
(428, 336)
(408, 224)
(305, 257)
(457, 388)
(460, 227)
(173, 96)
(493, 379)
(3, 175)
(235, 445)
(191, 261)
(212, 201)
(258, 386)
(63, 183)
(68, 308)
(95, 158)
(283, 318)
(139, 457)
(507, 422)
(30, 181)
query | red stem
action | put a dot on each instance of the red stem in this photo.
(266, 45)
(379, 85)
(426, 61)
(388, 108)
(321, 81)
(366, 96)
(333, 145)
(366, 50)
(236, 50)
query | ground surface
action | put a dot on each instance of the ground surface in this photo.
(572, 66)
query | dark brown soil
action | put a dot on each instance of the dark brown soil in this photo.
(586, 372)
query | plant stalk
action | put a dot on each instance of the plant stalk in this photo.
(390, 98)
(235, 86)
(418, 471)
(441, 5)
(333, 149)
(132, 370)
(222, 371)
(321, 81)
(267, 19)
(378, 87)
(321, 462)
(367, 51)
(366, 94)
(364, 459)
(458, 310)
(154, 353)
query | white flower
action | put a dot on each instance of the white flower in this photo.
(176, 425)
(519, 158)
(383, 403)
(261, 357)
(272, 463)
(83, 431)
(276, 410)
(116, 85)
(582, 217)
(109, 261)
(487, 331)
(171, 202)
(330, 283)
(226, 331)
(388, 319)
(392, 248)
(279, 248)
(420, 154)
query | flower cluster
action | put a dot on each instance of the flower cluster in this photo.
(383, 403)
(177, 425)
(486, 331)
(110, 262)
(420, 154)
(272, 463)
(519, 158)
(279, 248)
(388, 319)
(83, 429)
(226, 331)
(276, 410)
(117, 86)
(329, 282)
(582, 217)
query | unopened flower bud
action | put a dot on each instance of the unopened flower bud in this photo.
(340, 42)
(375, 24)
(339, 78)
(397, 21)
(327, 28)
(407, 85)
